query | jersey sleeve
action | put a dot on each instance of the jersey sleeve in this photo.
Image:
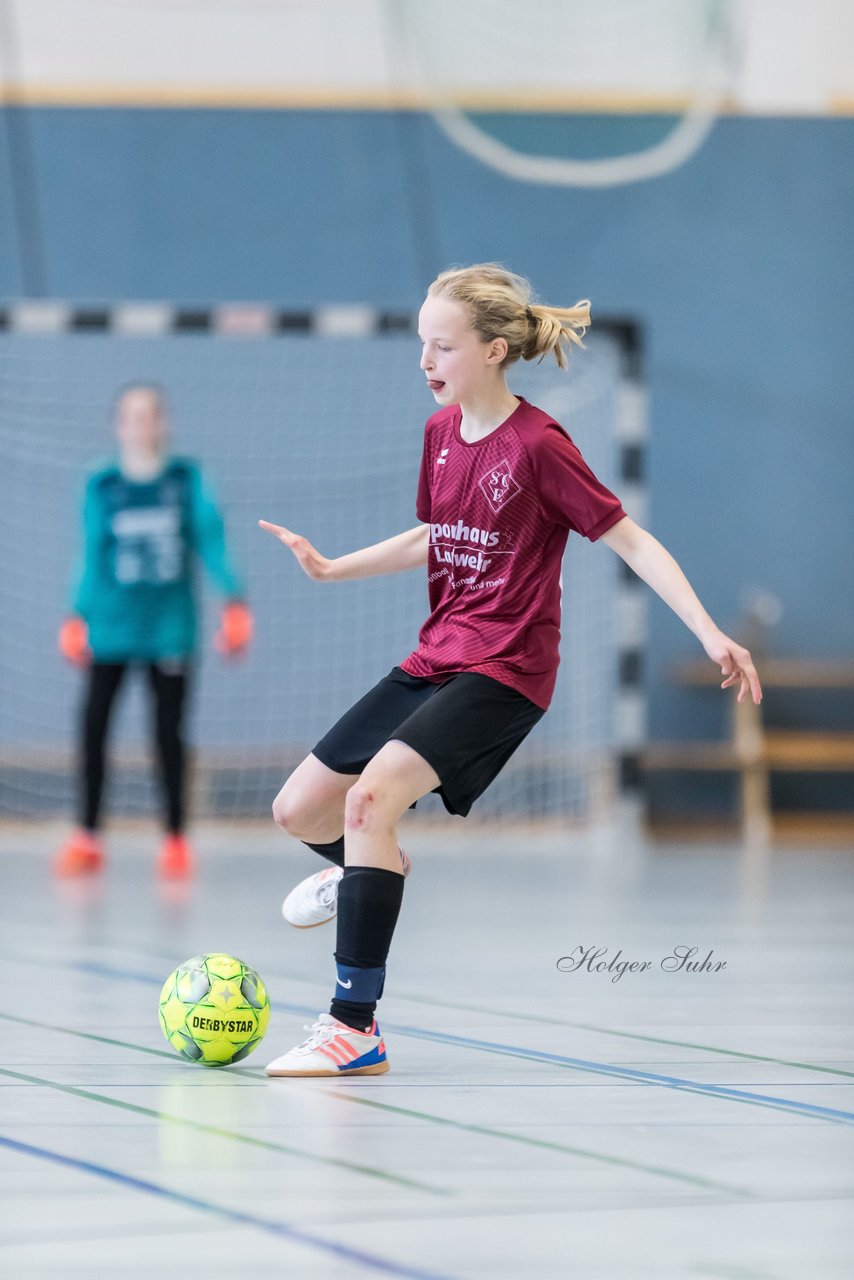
(422, 501)
(208, 536)
(570, 493)
(85, 576)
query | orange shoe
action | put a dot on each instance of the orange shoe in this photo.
(80, 855)
(175, 861)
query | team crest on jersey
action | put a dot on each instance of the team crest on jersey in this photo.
(499, 486)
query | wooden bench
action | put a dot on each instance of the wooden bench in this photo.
(754, 753)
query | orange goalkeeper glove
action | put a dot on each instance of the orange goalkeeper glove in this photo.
(235, 628)
(74, 641)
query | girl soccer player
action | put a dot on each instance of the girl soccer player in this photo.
(501, 486)
(145, 516)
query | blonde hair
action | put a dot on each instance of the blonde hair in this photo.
(501, 306)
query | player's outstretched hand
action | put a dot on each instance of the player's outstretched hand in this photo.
(735, 663)
(311, 561)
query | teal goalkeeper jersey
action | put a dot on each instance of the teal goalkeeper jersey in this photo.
(135, 583)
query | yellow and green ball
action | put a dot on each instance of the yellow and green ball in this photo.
(214, 1009)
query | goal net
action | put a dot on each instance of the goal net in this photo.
(314, 422)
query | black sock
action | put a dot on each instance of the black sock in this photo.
(369, 900)
(334, 852)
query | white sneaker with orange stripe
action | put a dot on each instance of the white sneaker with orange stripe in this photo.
(334, 1049)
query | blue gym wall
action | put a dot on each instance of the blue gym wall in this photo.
(738, 265)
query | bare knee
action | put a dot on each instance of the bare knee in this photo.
(365, 808)
(310, 804)
(308, 810)
(292, 814)
(285, 813)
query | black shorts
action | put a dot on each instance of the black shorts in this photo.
(466, 728)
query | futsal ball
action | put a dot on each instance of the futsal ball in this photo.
(214, 1010)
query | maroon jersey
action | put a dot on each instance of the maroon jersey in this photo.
(500, 511)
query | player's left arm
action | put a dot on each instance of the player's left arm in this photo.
(651, 561)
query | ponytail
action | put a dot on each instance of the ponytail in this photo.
(500, 306)
(549, 327)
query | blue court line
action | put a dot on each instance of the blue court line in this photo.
(632, 1073)
(807, 1109)
(271, 1225)
(741, 1055)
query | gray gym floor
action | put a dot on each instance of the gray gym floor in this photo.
(536, 1122)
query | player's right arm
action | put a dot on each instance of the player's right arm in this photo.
(74, 631)
(406, 550)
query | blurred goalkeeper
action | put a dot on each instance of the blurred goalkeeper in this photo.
(146, 516)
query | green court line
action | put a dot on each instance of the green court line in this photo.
(789, 1105)
(424, 1116)
(289, 975)
(508, 1051)
(776, 1104)
(121, 1044)
(275, 1226)
(708, 1184)
(585, 1026)
(230, 1134)
(626, 1035)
